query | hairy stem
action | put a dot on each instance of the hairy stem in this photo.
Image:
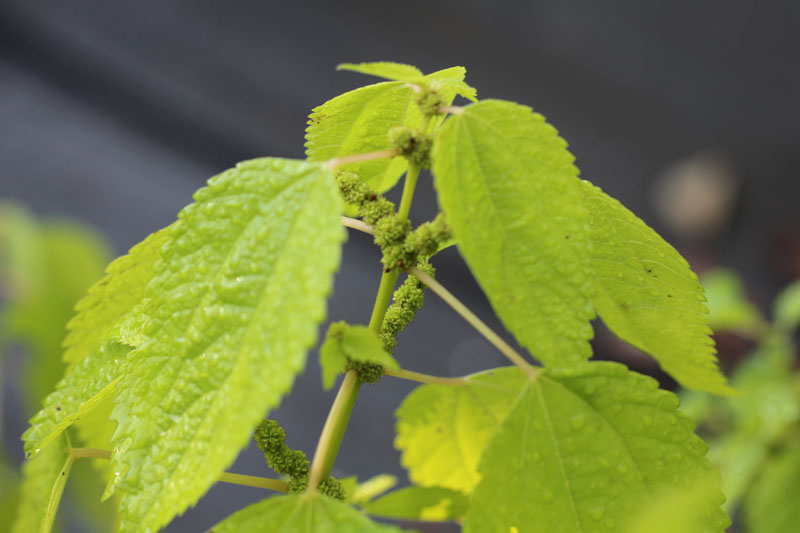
(355, 223)
(333, 431)
(359, 158)
(424, 378)
(254, 481)
(226, 477)
(408, 190)
(474, 321)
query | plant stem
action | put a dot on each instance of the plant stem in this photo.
(474, 321)
(408, 190)
(424, 378)
(55, 495)
(94, 453)
(355, 223)
(254, 481)
(333, 431)
(359, 158)
(225, 477)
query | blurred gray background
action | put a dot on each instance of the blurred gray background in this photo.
(113, 113)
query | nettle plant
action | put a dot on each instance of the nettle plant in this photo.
(178, 354)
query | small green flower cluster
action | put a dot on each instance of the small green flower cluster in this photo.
(430, 102)
(407, 300)
(271, 438)
(367, 372)
(411, 144)
(402, 247)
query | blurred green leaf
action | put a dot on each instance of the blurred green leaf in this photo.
(787, 307)
(727, 304)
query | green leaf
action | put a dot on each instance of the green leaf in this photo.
(435, 504)
(648, 296)
(97, 359)
(583, 448)
(230, 313)
(443, 429)
(305, 513)
(511, 194)
(450, 79)
(71, 258)
(787, 307)
(771, 504)
(385, 69)
(359, 121)
(43, 479)
(111, 298)
(358, 343)
(676, 509)
(90, 381)
(728, 308)
(20, 252)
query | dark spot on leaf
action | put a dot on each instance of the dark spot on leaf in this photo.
(439, 429)
(566, 237)
(669, 296)
(58, 407)
(624, 306)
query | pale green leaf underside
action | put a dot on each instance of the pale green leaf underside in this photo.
(647, 295)
(88, 383)
(113, 297)
(39, 476)
(442, 430)
(306, 513)
(511, 194)
(230, 313)
(771, 505)
(582, 450)
(435, 504)
(359, 121)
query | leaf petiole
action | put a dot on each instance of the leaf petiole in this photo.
(424, 378)
(474, 321)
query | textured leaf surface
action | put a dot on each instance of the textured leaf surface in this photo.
(442, 429)
(511, 194)
(307, 513)
(232, 309)
(89, 382)
(39, 476)
(354, 342)
(420, 503)
(584, 448)
(771, 505)
(648, 296)
(359, 121)
(111, 298)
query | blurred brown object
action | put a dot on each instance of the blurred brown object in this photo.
(696, 197)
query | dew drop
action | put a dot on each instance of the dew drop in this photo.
(578, 421)
(597, 512)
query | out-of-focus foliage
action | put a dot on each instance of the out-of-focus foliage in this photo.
(754, 437)
(46, 266)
